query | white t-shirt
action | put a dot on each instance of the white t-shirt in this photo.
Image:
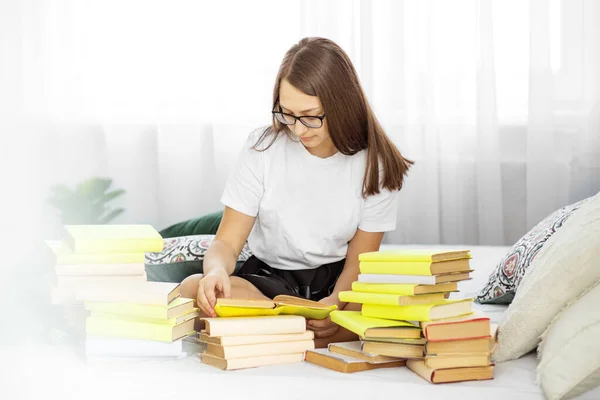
(307, 208)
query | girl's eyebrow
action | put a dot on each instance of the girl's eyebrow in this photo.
(303, 111)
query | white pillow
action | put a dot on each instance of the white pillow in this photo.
(567, 265)
(570, 350)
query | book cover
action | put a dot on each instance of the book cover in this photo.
(158, 293)
(100, 239)
(258, 349)
(390, 299)
(447, 375)
(255, 339)
(250, 362)
(427, 268)
(193, 313)
(419, 312)
(414, 279)
(100, 270)
(281, 305)
(366, 327)
(175, 308)
(354, 349)
(422, 255)
(345, 364)
(404, 289)
(399, 350)
(471, 326)
(105, 326)
(65, 256)
(254, 325)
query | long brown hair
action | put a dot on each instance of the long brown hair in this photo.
(319, 67)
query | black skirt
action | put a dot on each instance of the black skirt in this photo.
(312, 284)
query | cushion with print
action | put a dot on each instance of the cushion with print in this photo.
(181, 257)
(504, 280)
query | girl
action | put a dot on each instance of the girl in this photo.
(309, 193)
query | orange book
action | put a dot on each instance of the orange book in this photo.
(346, 364)
(447, 375)
(250, 362)
(472, 326)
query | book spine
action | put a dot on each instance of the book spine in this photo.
(395, 268)
(418, 312)
(255, 325)
(96, 325)
(387, 278)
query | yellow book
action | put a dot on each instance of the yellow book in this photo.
(193, 313)
(422, 255)
(419, 312)
(66, 256)
(97, 325)
(404, 289)
(367, 327)
(175, 308)
(390, 299)
(427, 268)
(280, 305)
(95, 239)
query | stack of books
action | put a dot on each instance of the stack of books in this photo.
(246, 342)
(411, 288)
(100, 256)
(101, 281)
(137, 322)
(457, 349)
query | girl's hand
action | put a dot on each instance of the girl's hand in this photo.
(214, 284)
(323, 327)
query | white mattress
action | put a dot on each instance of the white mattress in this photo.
(43, 371)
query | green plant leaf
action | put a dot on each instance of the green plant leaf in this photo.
(93, 188)
(112, 195)
(111, 215)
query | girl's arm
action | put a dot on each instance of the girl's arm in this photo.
(229, 241)
(362, 242)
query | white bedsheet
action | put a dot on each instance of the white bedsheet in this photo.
(43, 371)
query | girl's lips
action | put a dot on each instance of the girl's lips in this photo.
(306, 139)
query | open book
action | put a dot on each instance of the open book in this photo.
(280, 305)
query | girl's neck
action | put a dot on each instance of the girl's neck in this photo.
(324, 150)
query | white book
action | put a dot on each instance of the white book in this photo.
(388, 278)
(128, 269)
(123, 347)
(77, 282)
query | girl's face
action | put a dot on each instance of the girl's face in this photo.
(292, 101)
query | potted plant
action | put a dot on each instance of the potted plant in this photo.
(87, 203)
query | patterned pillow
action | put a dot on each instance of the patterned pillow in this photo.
(504, 281)
(181, 257)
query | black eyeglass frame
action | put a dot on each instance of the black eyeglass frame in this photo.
(319, 117)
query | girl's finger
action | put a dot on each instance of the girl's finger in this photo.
(203, 302)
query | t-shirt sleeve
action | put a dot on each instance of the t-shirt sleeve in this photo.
(380, 212)
(244, 188)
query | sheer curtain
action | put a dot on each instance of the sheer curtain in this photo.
(497, 102)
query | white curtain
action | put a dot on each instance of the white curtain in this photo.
(498, 102)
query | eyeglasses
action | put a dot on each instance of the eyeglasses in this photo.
(308, 121)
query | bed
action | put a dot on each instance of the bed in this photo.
(44, 371)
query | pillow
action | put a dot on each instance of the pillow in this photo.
(569, 353)
(504, 281)
(182, 257)
(205, 225)
(567, 265)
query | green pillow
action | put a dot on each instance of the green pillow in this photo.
(205, 225)
(181, 257)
